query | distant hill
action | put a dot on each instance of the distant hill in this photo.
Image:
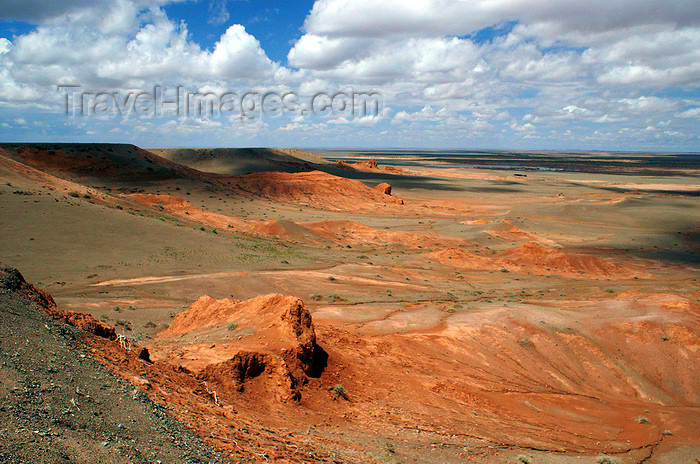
(244, 160)
(287, 175)
(120, 163)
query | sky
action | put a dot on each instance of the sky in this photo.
(612, 75)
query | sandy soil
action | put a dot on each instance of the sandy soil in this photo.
(295, 311)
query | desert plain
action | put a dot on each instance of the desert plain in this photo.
(367, 306)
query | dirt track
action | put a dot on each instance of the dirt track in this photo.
(486, 318)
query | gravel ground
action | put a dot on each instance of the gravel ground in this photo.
(58, 404)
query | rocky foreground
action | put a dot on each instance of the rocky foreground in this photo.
(58, 404)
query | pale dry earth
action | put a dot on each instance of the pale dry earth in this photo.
(470, 315)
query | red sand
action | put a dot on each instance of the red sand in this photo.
(506, 230)
(533, 258)
(466, 366)
(370, 165)
(538, 375)
(315, 188)
(342, 231)
(274, 333)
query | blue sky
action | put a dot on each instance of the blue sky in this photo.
(276, 24)
(532, 74)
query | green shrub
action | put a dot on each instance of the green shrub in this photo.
(232, 326)
(340, 391)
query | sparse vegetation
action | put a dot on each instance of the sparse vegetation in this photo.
(396, 342)
(123, 323)
(603, 459)
(340, 391)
